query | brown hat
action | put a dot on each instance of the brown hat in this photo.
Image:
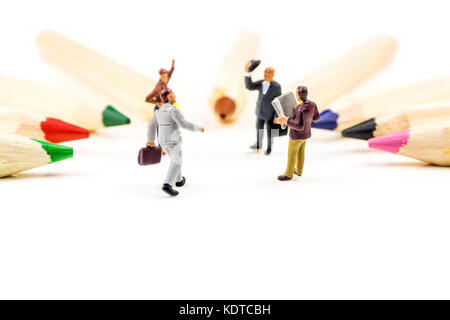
(163, 71)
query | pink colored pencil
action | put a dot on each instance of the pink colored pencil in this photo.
(429, 142)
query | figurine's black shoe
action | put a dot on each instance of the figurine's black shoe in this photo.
(167, 188)
(268, 151)
(181, 183)
(253, 65)
(284, 178)
(255, 147)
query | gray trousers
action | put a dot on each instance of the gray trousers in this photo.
(176, 160)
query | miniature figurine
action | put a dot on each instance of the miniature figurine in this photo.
(154, 96)
(168, 119)
(268, 89)
(164, 78)
(299, 131)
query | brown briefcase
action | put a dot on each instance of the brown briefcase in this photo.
(149, 155)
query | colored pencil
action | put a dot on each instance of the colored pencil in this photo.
(346, 72)
(229, 96)
(113, 80)
(82, 109)
(19, 153)
(402, 119)
(429, 142)
(33, 125)
(353, 109)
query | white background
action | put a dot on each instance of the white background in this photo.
(358, 224)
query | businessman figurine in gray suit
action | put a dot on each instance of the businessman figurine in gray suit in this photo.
(168, 119)
(268, 89)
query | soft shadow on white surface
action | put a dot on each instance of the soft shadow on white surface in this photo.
(232, 226)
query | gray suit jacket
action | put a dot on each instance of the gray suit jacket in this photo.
(169, 120)
(264, 108)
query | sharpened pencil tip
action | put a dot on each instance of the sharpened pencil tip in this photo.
(112, 117)
(56, 152)
(363, 130)
(328, 120)
(57, 131)
(391, 142)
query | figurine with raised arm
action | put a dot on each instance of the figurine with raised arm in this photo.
(164, 78)
(268, 89)
(299, 131)
(168, 120)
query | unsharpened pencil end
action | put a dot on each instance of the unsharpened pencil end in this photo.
(112, 117)
(391, 142)
(57, 131)
(363, 130)
(56, 152)
(225, 107)
(328, 120)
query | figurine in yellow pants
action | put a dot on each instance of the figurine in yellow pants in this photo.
(299, 131)
(296, 158)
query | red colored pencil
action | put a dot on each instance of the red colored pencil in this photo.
(33, 125)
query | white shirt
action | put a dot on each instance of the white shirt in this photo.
(265, 86)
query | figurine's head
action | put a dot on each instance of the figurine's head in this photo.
(269, 73)
(302, 93)
(164, 75)
(167, 95)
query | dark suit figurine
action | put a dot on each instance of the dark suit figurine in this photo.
(268, 89)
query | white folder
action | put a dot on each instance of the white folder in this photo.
(284, 105)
